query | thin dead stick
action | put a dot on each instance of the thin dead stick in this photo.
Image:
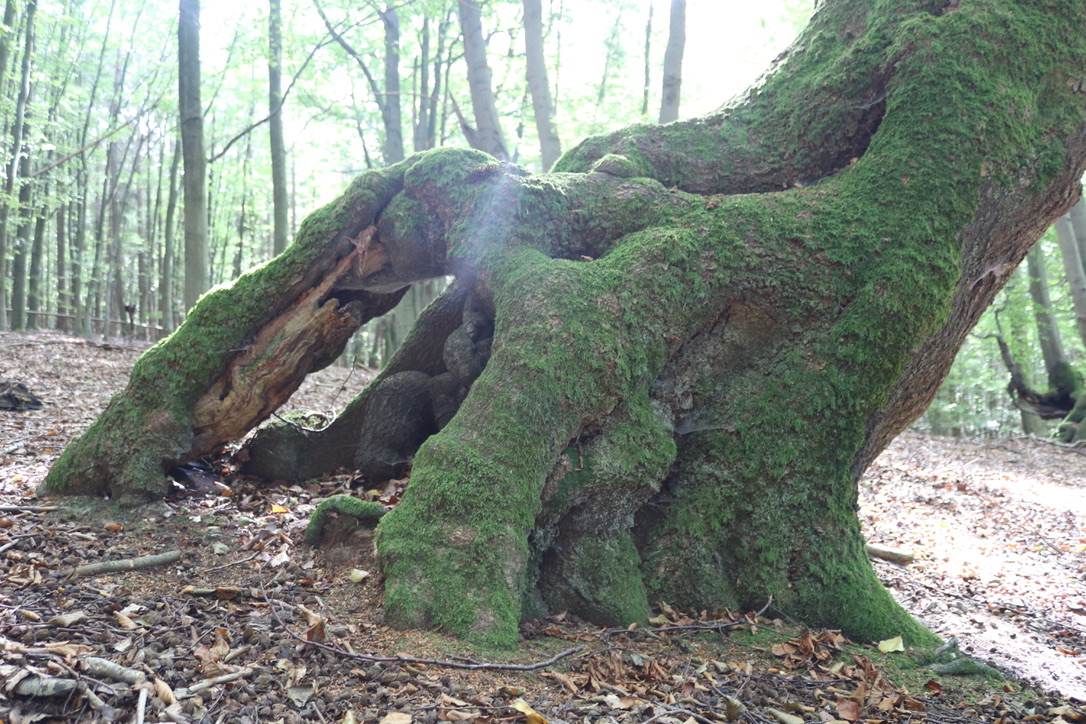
(28, 508)
(128, 564)
(469, 664)
(668, 711)
(141, 705)
(233, 563)
(108, 713)
(720, 626)
(208, 683)
(99, 667)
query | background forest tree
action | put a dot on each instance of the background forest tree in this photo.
(92, 213)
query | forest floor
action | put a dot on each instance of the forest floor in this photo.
(253, 625)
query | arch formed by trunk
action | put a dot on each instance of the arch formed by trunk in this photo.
(664, 366)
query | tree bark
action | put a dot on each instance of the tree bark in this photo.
(1048, 332)
(549, 144)
(662, 368)
(1076, 273)
(275, 129)
(197, 251)
(391, 109)
(673, 63)
(166, 284)
(488, 135)
(18, 134)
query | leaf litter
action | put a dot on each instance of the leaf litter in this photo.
(250, 624)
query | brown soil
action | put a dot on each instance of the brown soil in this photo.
(996, 527)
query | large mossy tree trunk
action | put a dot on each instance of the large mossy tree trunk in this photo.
(676, 353)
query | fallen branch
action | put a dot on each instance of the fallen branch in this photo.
(208, 683)
(96, 666)
(28, 508)
(128, 564)
(889, 554)
(468, 664)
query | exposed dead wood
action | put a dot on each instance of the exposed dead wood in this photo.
(267, 371)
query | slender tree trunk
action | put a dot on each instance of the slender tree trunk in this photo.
(673, 63)
(17, 135)
(1077, 217)
(197, 252)
(613, 46)
(5, 56)
(35, 282)
(280, 221)
(1048, 332)
(421, 126)
(168, 254)
(441, 70)
(1072, 267)
(392, 105)
(549, 144)
(488, 132)
(648, 65)
(63, 283)
(22, 245)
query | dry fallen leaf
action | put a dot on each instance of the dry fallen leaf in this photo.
(396, 717)
(891, 645)
(783, 718)
(530, 714)
(734, 708)
(848, 710)
(164, 692)
(67, 619)
(124, 621)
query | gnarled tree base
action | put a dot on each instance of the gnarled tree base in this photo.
(663, 367)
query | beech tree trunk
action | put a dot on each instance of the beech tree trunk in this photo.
(673, 63)
(664, 366)
(278, 150)
(488, 134)
(197, 246)
(536, 67)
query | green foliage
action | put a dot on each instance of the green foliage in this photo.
(973, 401)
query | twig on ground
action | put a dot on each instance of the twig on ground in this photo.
(668, 711)
(141, 705)
(97, 666)
(108, 713)
(208, 683)
(28, 508)
(232, 563)
(128, 564)
(468, 664)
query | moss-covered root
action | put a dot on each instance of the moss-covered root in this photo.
(598, 578)
(454, 550)
(593, 568)
(366, 512)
